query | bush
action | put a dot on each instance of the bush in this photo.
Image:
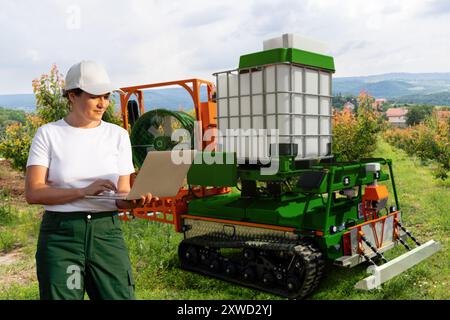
(17, 139)
(429, 140)
(8, 117)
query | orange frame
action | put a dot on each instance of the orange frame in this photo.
(169, 210)
(205, 112)
(379, 240)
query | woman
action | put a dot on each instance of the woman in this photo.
(81, 247)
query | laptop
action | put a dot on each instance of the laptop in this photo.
(159, 175)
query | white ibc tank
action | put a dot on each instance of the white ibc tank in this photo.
(294, 100)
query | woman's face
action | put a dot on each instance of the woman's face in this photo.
(89, 107)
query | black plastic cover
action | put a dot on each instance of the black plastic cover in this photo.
(133, 112)
(284, 149)
(311, 179)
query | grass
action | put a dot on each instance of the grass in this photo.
(18, 227)
(425, 203)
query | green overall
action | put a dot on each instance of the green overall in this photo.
(80, 252)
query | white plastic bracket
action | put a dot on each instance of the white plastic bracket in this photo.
(387, 271)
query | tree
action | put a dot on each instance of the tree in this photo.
(48, 90)
(338, 101)
(355, 136)
(417, 114)
(110, 115)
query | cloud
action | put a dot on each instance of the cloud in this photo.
(205, 16)
(436, 7)
(142, 41)
(350, 46)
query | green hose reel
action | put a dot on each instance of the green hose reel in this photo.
(153, 132)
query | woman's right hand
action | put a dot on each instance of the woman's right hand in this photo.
(99, 186)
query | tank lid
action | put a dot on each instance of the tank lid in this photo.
(296, 41)
(292, 55)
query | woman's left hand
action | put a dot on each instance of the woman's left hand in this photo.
(139, 203)
(145, 199)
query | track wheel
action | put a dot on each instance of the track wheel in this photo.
(248, 274)
(293, 283)
(249, 254)
(214, 265)
(188, 254)
(203, 256)
(230, 269)
(267, 278)
(279, 276)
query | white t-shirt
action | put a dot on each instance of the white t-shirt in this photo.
(76, 157)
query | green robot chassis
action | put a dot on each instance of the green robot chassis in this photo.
(278, 232)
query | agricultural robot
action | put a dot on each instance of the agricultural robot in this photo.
(275, 205)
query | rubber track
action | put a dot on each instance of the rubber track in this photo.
(313, 269)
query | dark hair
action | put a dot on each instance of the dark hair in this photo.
(76, 91)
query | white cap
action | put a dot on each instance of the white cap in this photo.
(90, 77)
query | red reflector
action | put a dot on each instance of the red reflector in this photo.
(347, 244)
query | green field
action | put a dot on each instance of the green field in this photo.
(425, 205)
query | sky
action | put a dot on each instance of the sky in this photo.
(145, 41)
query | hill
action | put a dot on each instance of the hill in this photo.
(171, 98)
(24, 102)
(428, 88)
(423, 88)
(435, 99)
